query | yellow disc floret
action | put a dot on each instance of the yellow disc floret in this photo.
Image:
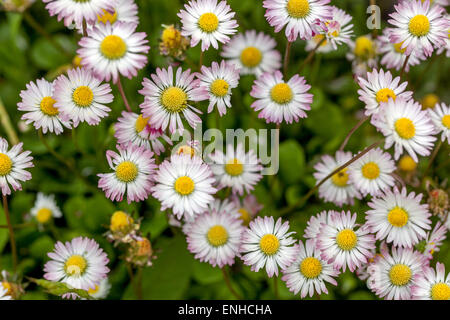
(219, 87)
(217, 236)
(126, 171)
(405, 128)
(5, 164)
(419, 25)
(43, 215)
(171, 37)
(383, 95)
(398, 48)
(75, 265)
(141, 123)
(400, 274)
(281, 93)
(269, 244)
(113, 47)
(346, 239)
(120, 221)
(234, 167)
(398, 217)
(298, 8)
(186, 150)
(107, 17)
(94, 290)
(440, 291)
(407, 163)
(174, 99)
(245, 216)
(251, 57)
(184, 185)
(429, 101)
(340, 179)
(446, 121)
(364, 48)
(83, 96)
(47, 107)
(208, 22)
(370, 170)
(310, 267)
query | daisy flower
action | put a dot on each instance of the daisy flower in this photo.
(392, 275)
(38, 103)
(433, 240)
(81, 97)
(405, 125)
(168, 96)
(184, 184)
(399, 218)
(371, 173)
(101, 290)
(278, 100)
(301, 17)
(268, 244)
(363, 54)
(4, 293)
(236, 169)
(110, 50)
(218, 80)
(45, 208)
(316, 222)
(75, 11)
(432, 285)
(379, 88)
(135, 129)
(253, 53)
(133, 168)
(80, 263)
(207, 21)
(342, 245)
(339, 189)
(393, 56)
(419, 27)
(247, 208)
(13, 163)
(440, 116)
(309, 272)
(215, 237)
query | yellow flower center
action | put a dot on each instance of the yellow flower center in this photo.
(364, 48)
(5, 164)
(370, 170)
(208, 22)
(318, 38)
(186, 150)
(144, 247)
(126, 171)
(219, 87)
(446, 121)
(346, 239)
(298, 8)
(398, 47)
(171, 37)
(44, 215)
(217, 236)
(76, 62)
(94, 290)
(311, 267)
(251, 57)
(405, 128)
(47, 107)
(440, 291)
(83, 96)
(383, 95)
(141, 123)
(174, 99)
(75, 265)
(340, 179)
(107, 16)
(269, 244)
(429, 101)
(7, 286)
(184, 185)
(407, 163)
(245, 216)
(400, 274)
(281, 93)
(398, 217)
(113, 47)
(419, 25)
(234, 167)
(120, 221)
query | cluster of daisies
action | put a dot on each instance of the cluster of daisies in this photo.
(392, 250)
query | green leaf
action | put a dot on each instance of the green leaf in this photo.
(60, 288)
(41, 246)
(292, 161)
(204, 273)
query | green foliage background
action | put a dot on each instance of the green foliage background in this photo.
(25, 56)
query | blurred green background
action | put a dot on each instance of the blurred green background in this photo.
(25, 55)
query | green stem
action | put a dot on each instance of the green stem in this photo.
(404, 66)
(311, 55)
(347, 138)
(287, 53)
(433, 156)
(228, 283)
(7, 126)
(275, 287)
(12, 239)
(122, 93)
